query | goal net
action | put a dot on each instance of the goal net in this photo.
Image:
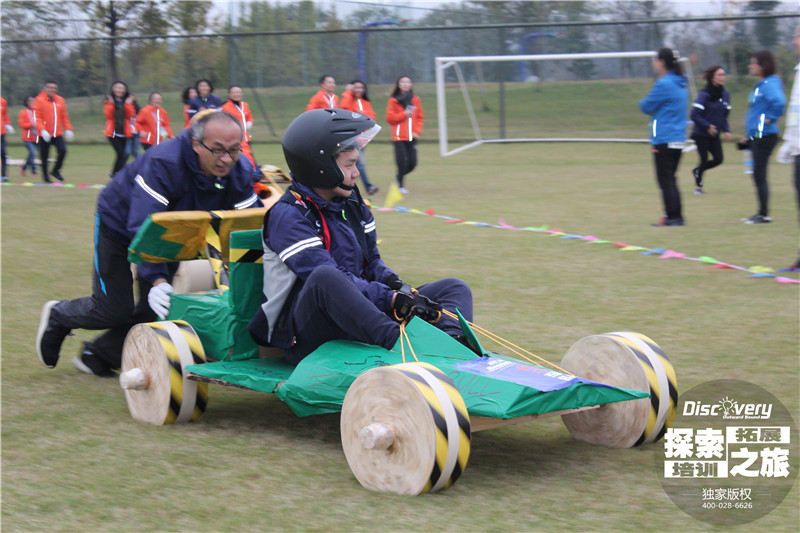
(590, 97)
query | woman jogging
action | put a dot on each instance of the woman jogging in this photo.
(118, 109)
(27, 126)
(405, 115)
(710, 116)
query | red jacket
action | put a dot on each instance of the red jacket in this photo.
(51, 115)
(27, 125)
(4, 120)
(108, 111)
(242, 113)
(404, 128)
(321, 100)
(153, 125)
(359, 105)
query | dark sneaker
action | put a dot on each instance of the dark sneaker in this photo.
(699, 191)
(89, 363)
(372, 190)
(57, 175)
(758, 219)
(670, 222)
(49, 337)
(698, 180)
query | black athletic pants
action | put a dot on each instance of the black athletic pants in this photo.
(118, 144)
(3, 150)
(111, 305)
(666, 161)
(762, 148)
(329, 307)
(405, 155)
(44, 153)
(705, 146)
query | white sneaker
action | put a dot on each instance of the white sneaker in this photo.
(403, 190)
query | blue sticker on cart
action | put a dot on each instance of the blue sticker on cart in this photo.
(533, 376)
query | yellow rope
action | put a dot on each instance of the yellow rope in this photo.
(404, 338)
(509, 345)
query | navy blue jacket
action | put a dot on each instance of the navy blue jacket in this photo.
(708, 110)
(666, 104)
(167, 177)
(212, 101)
(297, 241)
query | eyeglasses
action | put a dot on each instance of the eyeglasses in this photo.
(219, 152)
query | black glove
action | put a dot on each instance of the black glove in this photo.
(396, 284)
(410, 303)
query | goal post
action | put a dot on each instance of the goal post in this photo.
(444, 64)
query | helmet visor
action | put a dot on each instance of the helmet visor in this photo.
(358, 141)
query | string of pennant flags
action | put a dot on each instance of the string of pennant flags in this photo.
(661, 253)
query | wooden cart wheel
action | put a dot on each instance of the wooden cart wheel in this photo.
(154, 357)
(196, 275)
(629, 360)
(405, 429)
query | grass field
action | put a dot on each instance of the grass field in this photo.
(74, 460)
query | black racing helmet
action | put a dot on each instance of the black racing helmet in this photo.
(314, 139)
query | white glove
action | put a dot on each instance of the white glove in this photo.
(785, 154)
(68, 136)
(45, 136)
(247, 125)
(159, 299)
(10, 129)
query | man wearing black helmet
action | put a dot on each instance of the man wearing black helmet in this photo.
(323, 276)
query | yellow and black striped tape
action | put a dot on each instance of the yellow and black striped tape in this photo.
(661, 380)
(451, 421)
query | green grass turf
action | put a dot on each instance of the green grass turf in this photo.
(74, 460)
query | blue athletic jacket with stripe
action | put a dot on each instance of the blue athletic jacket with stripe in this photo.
(666, 104)
(302, 232)
(167, 177)
(767, 103)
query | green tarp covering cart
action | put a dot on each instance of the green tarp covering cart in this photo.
(407, 414)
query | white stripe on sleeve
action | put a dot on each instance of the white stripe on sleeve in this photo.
(146, 188)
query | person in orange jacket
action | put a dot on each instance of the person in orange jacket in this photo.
(5, 127)
(354, 98)
(30, 137)
(54, 127)
(325, 97)
(239, 109)
(118, 109)
(405, 115)
(187, 94)
(152, 123)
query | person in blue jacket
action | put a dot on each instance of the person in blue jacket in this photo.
(666, 104)
(710, 116)
(202, 169)
(323, 276)
(766, 105)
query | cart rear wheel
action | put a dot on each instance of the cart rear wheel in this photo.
(153, 375)
(629, 360)
(405, 429)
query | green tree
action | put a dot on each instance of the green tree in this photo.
(766, 30)
(112, 19)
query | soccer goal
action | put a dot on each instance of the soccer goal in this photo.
(543, 98)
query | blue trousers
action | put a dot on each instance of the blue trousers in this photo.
(330, 307)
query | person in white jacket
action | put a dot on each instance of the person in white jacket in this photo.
(789, 152)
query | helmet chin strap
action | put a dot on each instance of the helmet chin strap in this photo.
(345, 187)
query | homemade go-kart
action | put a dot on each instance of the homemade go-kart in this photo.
(407, 414)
